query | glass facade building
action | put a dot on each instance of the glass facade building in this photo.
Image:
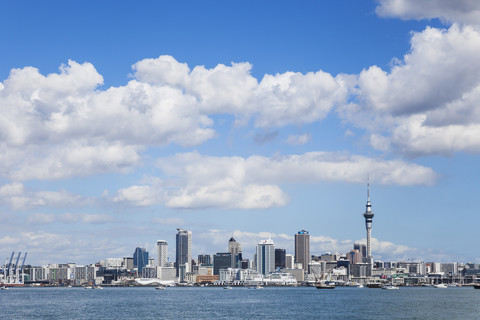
(280, 256)
(184, 250)
(140, 259)
(221, 261)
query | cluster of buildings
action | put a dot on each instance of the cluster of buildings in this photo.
(269, 266)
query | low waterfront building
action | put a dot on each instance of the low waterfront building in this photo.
(167, 273)
(279, 279)
(149, 272)
(205, 270)
(361, 270)
(449, 268)
(387, 272)
(57, 275)
(190, 277)
(298, 274)
(128, 263)
(317, 268)
(84, 274)
(38, 274)
(289, 261)
(204, 279)
(113, 263)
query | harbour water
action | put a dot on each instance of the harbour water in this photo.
(240, 303)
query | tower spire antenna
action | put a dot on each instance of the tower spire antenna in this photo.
(368, 188)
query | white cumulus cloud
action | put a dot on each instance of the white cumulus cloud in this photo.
(200, 181)
(428, 103)
(465, 11)
(63, 125)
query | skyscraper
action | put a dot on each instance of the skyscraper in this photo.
(302, 249)
(162, 253)
(265, 256)
(140, 259)
(235, 249)
(184, 250)
(221, 260)
(354, 256)
(204, 259)
(280, 258)
(362, 249)
(368, 224)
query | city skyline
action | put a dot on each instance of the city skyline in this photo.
(122, 121)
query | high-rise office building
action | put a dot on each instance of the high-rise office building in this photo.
(140, 259)
(184, 250)
(280, 256)
(354, 256)
(362, 249)
(302, 248)
(204, 259)
(235, 249)
(265, 256)
(221, 260)
(289, 261)
(162, 253)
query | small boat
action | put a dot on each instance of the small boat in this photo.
(227, 287)
(375, 285)
(88, 287)
(97, 287)
(4, 288)
(476, 286)
(258, 287)
(441, 286)
(354, 284)
(390, 287)
(160, 288)
(324, 285)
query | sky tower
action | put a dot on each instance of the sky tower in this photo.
(368, 224)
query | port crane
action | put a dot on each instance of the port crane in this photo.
(11, 271)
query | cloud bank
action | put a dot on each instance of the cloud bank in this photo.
(62, 125)
(197, 181)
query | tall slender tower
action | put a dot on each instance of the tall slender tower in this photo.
(368, 223)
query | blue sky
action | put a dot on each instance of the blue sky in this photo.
(121, 121)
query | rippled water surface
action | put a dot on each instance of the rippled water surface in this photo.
(239, 303)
